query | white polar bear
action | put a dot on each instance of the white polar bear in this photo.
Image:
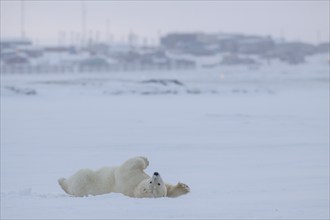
(128, 179)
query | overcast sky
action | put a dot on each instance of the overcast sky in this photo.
(306, 21)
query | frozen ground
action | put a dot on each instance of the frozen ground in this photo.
(250, 143)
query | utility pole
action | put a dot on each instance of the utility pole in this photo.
(83, 23)
(107, 38)
(282, 35)
(22, 19)
(318, 37)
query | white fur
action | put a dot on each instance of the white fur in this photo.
(128, 179)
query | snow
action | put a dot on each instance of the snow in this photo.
(250, 144)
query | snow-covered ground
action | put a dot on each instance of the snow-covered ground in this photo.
(250, 143)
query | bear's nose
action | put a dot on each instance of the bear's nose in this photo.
(156, 173)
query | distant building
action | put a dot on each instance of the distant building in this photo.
(14, 43)
(292, 53)
(18, 51)
(60, 49)
(190, 43)
(254, 45)
(323, 48)
(15, 60)
(201, 44)
(236, 60)
(94, 62)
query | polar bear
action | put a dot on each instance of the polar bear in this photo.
(128, 179)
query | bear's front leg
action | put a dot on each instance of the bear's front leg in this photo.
(177, 190)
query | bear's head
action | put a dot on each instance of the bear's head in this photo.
(157, 186)
(152, 187)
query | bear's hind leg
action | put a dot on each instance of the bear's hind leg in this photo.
(136, 163)
(146, 162)
(63, 185)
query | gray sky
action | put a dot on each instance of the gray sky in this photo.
(306, 21)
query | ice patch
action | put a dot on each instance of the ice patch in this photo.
(18, 91)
